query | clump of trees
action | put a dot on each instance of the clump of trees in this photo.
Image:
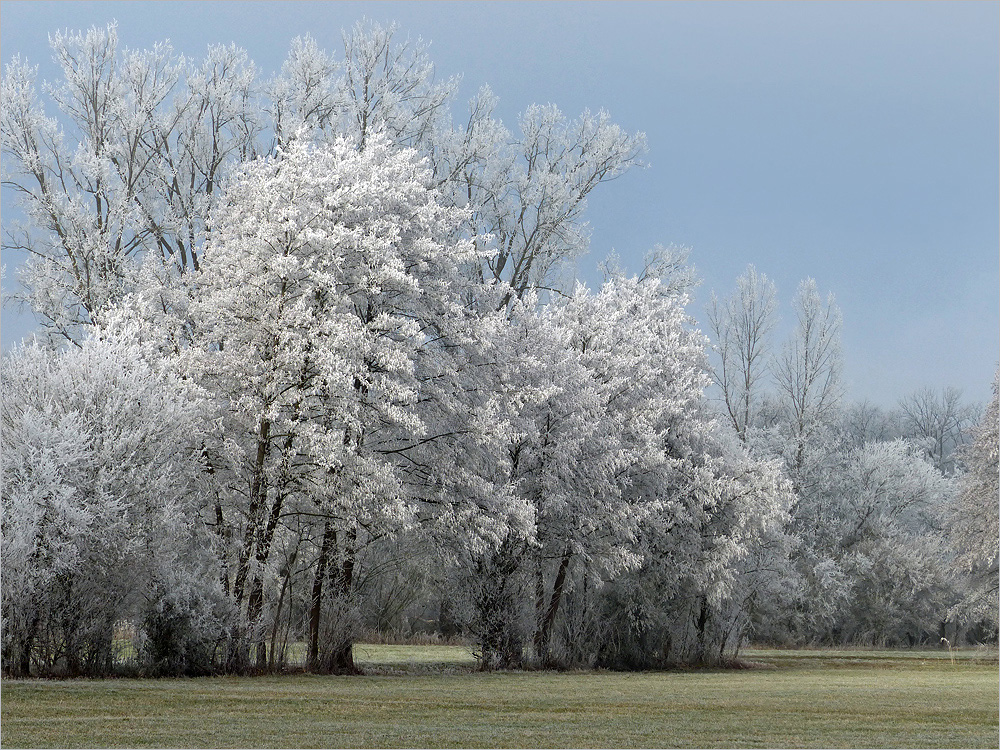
(103, 498)
(312, 365)
(874, 539)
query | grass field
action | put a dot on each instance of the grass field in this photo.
(428, 696)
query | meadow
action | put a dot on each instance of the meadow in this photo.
(430, 696)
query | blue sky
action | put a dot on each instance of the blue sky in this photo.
(856, 143)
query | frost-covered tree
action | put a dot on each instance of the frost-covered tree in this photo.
(317, 294)
(122, 169)
(938, 421)
(741, 326)
(628, 484)
(973, 520)
(129, 165)
(887, 538)
(102, 525)
(842, 462)
(807, 372)
(869, 563)
(851, 569)
(382, 84)
(400, 395)
(707, 545)
(549, 407)
(596, 381)
(646, 366)
(124, 157)
(525, 192)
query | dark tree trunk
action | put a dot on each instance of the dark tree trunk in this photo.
(343, 657)
(255, 604)
(220, 529)
(702, 634)
(258, 497)
(539, 639)
(277, 610)
(343, 660)
(316, 605)
(553, 608)
(220, 525)
(27, 646)
(497, 611)
(264, 541)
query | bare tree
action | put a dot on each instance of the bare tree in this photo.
(807, 373)
(866, 422)
(741, 325)
(130, 168)
(528, 194)
(938, 421)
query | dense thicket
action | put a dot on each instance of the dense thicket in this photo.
(312, 366)
(102, 515)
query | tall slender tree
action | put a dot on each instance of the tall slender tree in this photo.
(741, 326)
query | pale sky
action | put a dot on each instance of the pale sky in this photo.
(856, 143)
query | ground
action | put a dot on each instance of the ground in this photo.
(430, 697)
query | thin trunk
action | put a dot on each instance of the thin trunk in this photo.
(255, 604)
(553, 608)
(220, 530)
(277, 611)
(702, 626)
(265, 538)
(539, 613)
(258, 497)
(317, 595)
(220, 525)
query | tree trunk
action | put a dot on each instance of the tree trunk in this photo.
(702, 635)
(265, 538)
(258, 497)
(343, 658)
(553, 608)
(220, 526)
(317, 596)
(539, 640)
(272, 663)
(27, 646)
(221, 532)
(255, 604)
(496, 606)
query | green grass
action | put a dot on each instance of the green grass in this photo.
(428, 696)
